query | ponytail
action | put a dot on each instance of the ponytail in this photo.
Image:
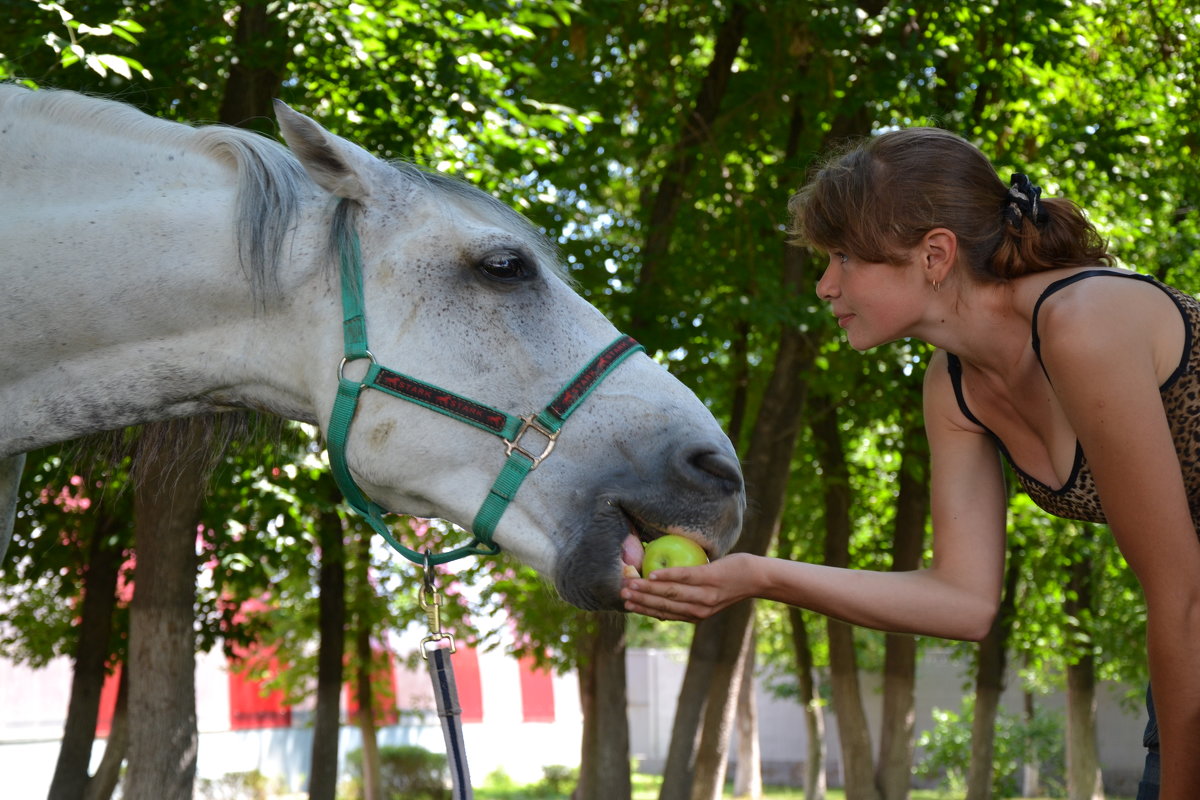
(877, 200)
(1046, 234)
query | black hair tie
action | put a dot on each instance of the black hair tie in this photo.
(1023, 202)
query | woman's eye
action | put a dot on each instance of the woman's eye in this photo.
(841, 257)
(504, 265)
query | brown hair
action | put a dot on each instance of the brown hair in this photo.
(877, 198)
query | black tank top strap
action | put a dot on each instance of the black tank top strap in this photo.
(1062, 284)
(954, 365)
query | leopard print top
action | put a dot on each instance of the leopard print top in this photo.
(1078, 498)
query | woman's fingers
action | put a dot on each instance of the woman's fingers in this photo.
(669, 594)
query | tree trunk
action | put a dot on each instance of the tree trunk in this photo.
(858, 761)
(323, 773)
(894, 772)
(1083, 752)
(663, 209)
(604, 765)
(1084, 781)
(814, 712)
(747, 779)
(989, 677)
(989, 685)
(259, 55)
(104, 782)
(1031, 778)
(854, 734)
(896, 733)
(364, 670)
(708, 781)
(697, 130)
(91, 657)
(162, 639)
(766, 467)
(366, 714)
(705, 650)
(719, 639)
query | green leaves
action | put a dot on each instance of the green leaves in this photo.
(79, 44)
(573, 113)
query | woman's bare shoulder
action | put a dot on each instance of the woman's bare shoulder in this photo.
(941, 398)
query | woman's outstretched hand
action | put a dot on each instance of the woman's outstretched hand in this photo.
(691, 593)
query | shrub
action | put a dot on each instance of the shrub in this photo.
(557, 780)
(407, 772)
(948, 750)
(233, 786)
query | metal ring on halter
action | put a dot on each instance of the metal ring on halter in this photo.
(347, 359)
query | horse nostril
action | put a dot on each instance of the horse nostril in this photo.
(720, 466)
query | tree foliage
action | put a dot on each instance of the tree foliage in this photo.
(583, 116)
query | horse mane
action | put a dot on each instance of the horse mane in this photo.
(270, 179)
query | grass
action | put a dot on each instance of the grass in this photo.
(645, 787)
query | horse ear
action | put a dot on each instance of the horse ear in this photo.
(337, 166)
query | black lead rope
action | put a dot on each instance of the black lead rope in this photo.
(441, 671)
(445, 691)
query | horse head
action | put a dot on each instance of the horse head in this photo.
(464, 297)
(190, 273)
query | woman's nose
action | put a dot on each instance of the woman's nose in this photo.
(827, 286)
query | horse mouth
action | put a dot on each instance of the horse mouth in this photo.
(641, 533)
(590, 572)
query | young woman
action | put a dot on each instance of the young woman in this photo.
(1086, 377)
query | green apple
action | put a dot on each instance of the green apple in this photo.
(672, 551)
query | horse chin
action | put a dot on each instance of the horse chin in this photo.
(588, 569)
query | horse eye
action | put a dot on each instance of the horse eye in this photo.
(504, 265)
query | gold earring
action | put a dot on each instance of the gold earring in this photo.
(937, 286)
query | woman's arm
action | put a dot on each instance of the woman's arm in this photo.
(1107, 379)
(955, 597)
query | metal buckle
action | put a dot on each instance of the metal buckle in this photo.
(367, 354)
(527, 422)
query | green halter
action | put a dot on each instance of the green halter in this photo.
(511, 429)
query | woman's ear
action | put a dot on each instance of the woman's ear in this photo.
(939, 252)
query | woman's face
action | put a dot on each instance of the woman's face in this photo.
(874, 302)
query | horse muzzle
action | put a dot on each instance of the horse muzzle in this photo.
(699, 496)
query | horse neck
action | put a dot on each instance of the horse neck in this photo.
(127, 302)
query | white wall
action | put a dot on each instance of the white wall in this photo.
(33, 705)
(656, 676)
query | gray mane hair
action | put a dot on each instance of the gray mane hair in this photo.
(271, 182)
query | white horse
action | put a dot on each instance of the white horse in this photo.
(153, 270)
